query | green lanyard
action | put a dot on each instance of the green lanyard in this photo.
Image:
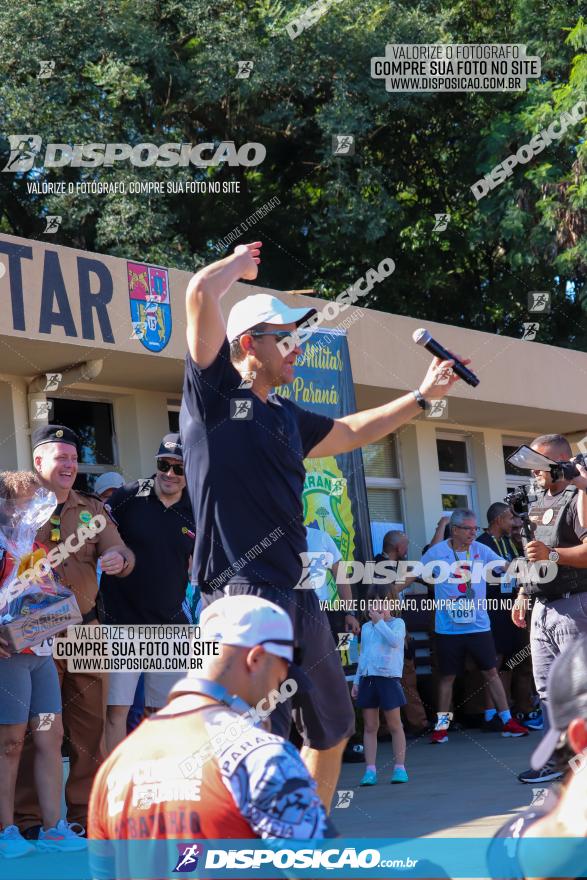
(454, 553)
(502, 545)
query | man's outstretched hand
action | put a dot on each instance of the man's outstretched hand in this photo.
(249, 257)
(440, 378)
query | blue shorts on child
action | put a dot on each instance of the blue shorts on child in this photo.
(380, 692)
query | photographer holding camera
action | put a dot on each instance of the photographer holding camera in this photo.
(559, 613)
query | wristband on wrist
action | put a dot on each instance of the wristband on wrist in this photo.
(422, 403)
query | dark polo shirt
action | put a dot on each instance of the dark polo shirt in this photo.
(162, 539)
(244, 461)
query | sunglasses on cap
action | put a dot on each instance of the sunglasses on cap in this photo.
(166, 466)
(297, 650)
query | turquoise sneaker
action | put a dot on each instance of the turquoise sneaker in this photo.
(63, 837)
(399, 775)
(12, 843)
(370, 778)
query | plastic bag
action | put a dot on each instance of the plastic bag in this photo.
(33, 604)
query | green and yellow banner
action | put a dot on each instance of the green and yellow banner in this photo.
(335, 495)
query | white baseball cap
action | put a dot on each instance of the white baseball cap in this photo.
(111, 480)
(247, 621)
(261, 308)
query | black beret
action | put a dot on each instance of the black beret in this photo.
(55, 434)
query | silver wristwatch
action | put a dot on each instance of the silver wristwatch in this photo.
(553, 555)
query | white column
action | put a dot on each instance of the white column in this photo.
(141, 422)
(487, 450)
(417, 444)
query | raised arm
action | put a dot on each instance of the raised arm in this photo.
(206, 328)
(438, 535)
(394, 635)
(360, 429)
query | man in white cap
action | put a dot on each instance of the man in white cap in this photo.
(244, 450)
(203, 766)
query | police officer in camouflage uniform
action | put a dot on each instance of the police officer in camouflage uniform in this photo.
(559, 612)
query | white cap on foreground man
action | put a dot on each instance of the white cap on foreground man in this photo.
(249, 621)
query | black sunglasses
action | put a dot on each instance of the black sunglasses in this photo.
(297, 650)
(166, 466)
(279, 334)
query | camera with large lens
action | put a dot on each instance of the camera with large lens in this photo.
(567, 470)
(527, 459)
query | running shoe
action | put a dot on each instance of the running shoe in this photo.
(370, 778)
(495, 725)
(399, 775)
(514, 728)
(63, 837)
(12, 843)
(439, 736)
(548, 773)
(533, 720)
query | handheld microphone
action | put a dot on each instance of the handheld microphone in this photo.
(423, 337)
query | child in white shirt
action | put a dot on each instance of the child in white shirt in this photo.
(378, 681)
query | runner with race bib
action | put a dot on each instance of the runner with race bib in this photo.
(462, 625)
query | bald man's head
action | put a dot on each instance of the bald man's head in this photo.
(395, 544)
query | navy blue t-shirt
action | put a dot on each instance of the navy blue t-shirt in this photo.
(245, 477)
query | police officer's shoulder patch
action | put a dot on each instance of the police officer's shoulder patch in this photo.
(109, 513)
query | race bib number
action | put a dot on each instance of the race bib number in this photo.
(44, 649)
(462, 611)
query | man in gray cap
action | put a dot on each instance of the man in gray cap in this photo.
(107, 484)
(244, 452)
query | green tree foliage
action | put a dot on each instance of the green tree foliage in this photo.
(159, 71)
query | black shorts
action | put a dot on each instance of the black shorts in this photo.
(452, 649)
(379, 692)
(324, 716)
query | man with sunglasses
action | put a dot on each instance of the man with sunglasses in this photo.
(244, 450)
(462, 624)
(155, 518)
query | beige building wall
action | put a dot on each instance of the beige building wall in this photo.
(422, 480)
(140, 421)
(140, 434)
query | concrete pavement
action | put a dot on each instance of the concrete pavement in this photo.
(464, 788)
